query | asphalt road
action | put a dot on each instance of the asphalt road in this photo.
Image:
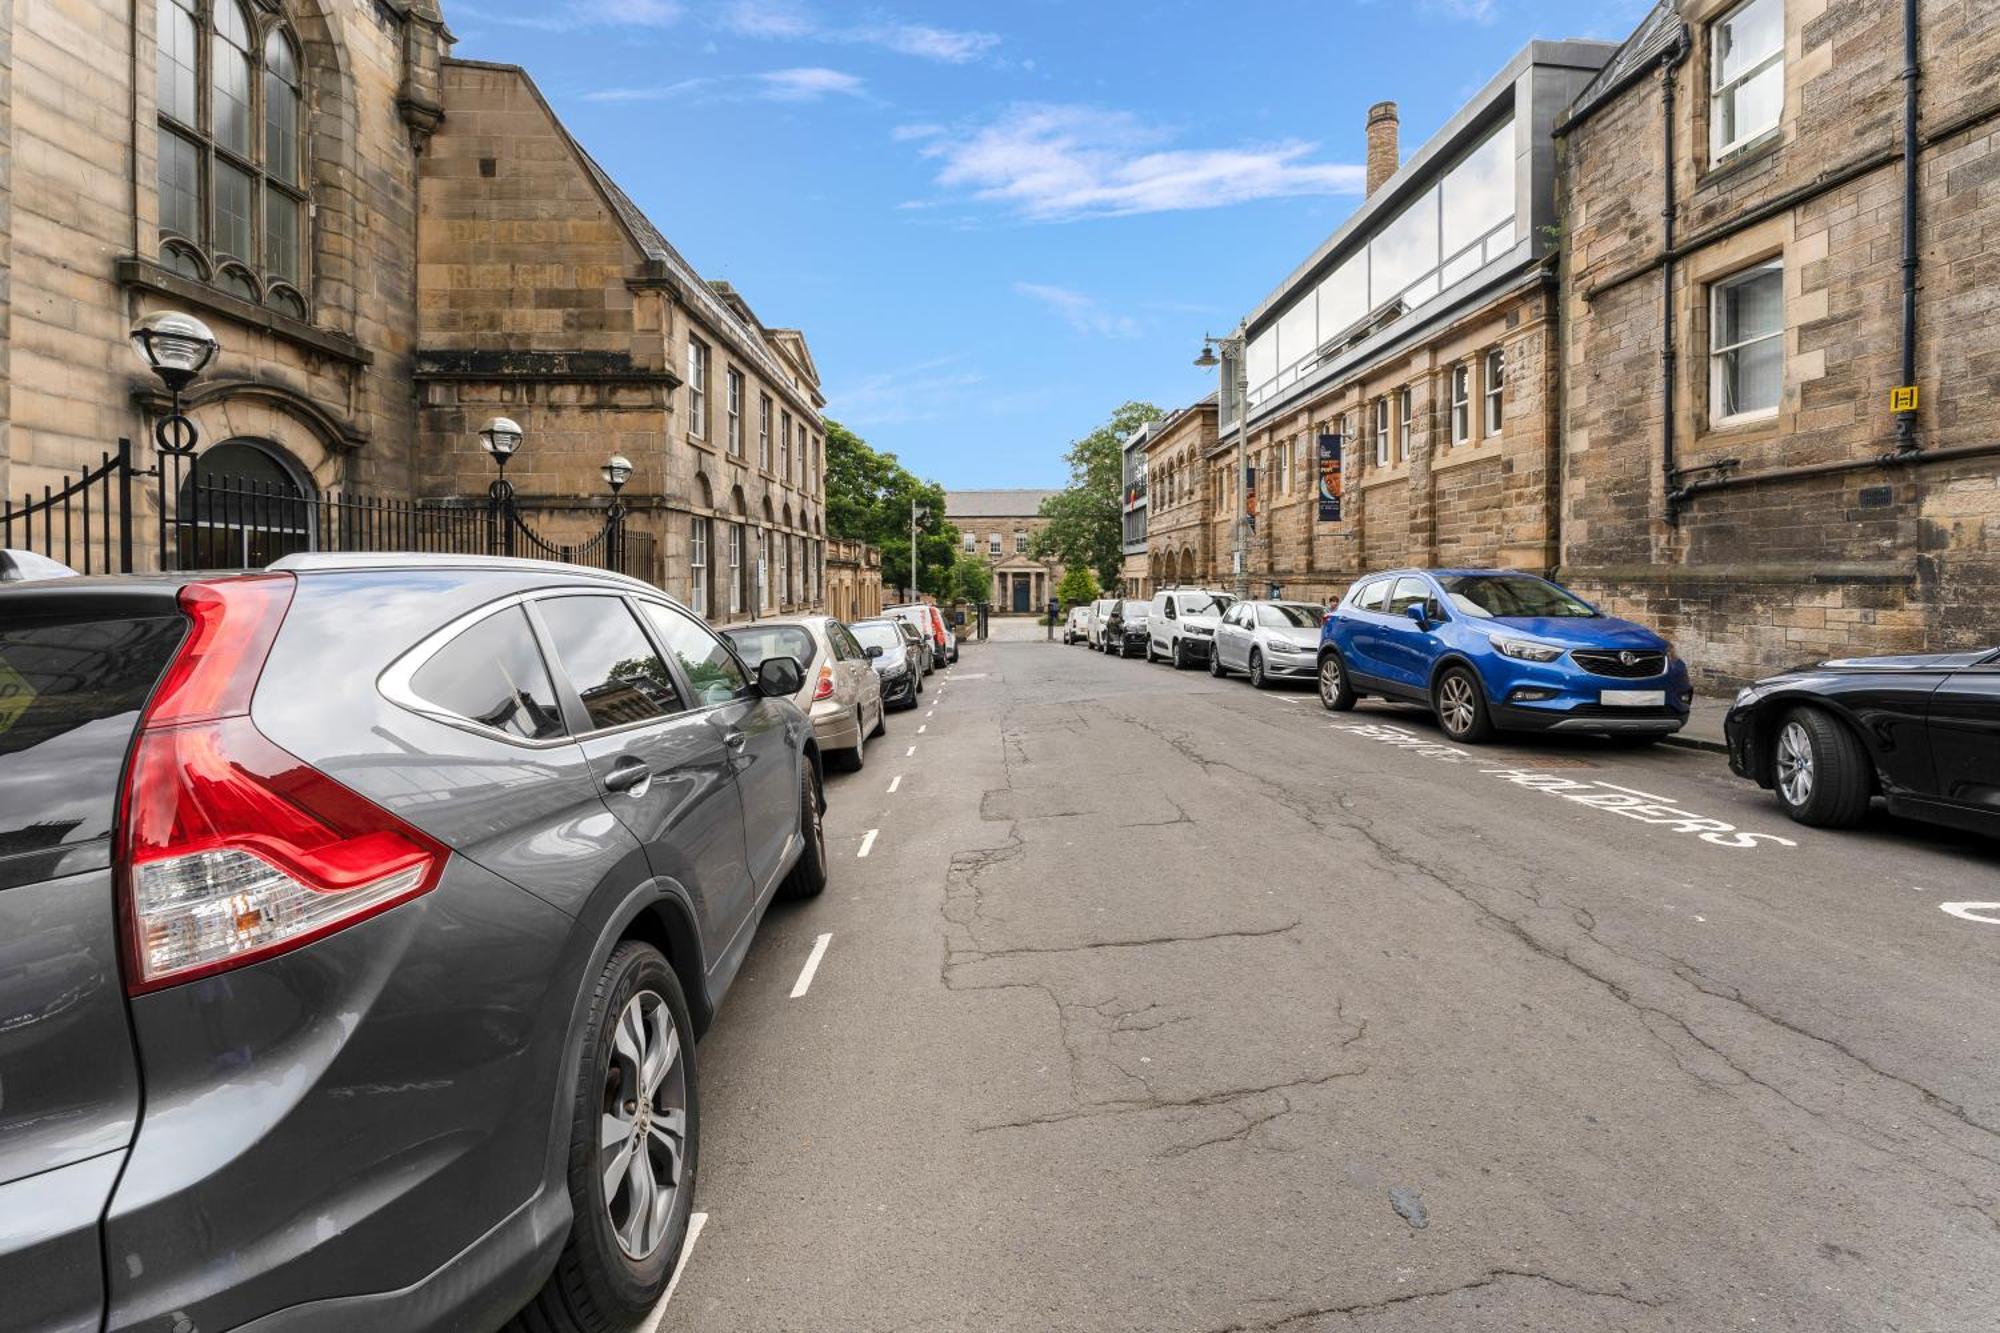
(1161, 1003)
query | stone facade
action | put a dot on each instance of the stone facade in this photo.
(316, 349)
(1437, 374)
(997, 526)
(546, 295)
(1794, 529)
(457, 256)
(853, 579)
(1179, 541)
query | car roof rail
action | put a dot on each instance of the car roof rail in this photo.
(320, 562)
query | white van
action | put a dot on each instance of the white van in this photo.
(1093, 623)
(1182, 625)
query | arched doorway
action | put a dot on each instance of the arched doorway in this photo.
(243, 504)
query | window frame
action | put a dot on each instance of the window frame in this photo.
(785, 447)
(1718, 289)
(732, 395)
(1492, 388)
(735, 568)
(764, 432)
(1461, 403)
(1721, 90)
(698, 538)
(1407, 409)
(697, 386)
(1384, 447)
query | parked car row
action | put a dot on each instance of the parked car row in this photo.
(1495, 650)
(358, 921)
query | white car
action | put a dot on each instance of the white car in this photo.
(1093, 625)
(1181, 627)
(1077, 627)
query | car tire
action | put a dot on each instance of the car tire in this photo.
(1215, 667)
(1458, 701)
(597, 1284)
(1258, 680)
(881, 719)
(855, 759)
(1336, 691)
(1821, 773)
(1180, 655)
(808, 874)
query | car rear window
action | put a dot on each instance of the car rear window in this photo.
(758, 642)
(70, 695)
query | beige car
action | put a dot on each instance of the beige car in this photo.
(842, 694)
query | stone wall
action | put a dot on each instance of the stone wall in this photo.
(1761, 571)
(1178, 542)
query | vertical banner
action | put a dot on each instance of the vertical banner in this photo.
(1250, 494)
(1329, 479)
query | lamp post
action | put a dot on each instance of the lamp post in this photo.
(500, 437)
(917, 511)
(177, 348)
(1232, 346)
(616, 472)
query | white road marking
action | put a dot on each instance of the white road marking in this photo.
(894, 783)
(868, 841)
(922, 730)
(812, 964)
(1971, 912)
(907, 753)
(696, 1221)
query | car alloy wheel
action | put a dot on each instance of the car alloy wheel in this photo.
(1795, 765)
(642, 1139)
(1257, 680)
(1456, 707)
(1215, 664)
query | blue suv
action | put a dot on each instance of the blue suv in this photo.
(1496, 649)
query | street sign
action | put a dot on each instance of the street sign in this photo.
(1903, 398)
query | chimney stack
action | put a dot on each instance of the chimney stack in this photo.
(1383, 154)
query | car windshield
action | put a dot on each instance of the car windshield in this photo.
(1290, 615)
(1498, 596)
(878, 634)
(1136, 610)
(758, 642)
(1205, 604)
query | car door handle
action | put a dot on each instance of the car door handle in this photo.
(630, 776)
(735, 740)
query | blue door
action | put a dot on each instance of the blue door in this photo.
(1406, 652)
(1021, 591)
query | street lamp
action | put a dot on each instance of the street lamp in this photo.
(917, 511)
(1232, 346)
(617, 471)
(177, 348)
(500, 437)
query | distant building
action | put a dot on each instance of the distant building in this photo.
(853, 579)
(997, 526)
(1133, 580)
(1178, 541)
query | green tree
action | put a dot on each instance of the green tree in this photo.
(1079, 585)
(868, 498)
(1086, 528)
(971, 580)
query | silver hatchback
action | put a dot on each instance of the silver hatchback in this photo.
(841, 694)
(1268, 641)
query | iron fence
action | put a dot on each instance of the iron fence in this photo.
(207, 521)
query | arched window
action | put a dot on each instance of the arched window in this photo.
(232, 198)
(243, 504)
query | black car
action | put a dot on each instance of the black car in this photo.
(1125, 627)
(1922, 732)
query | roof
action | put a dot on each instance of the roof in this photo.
(995, 504)
(1655, 35)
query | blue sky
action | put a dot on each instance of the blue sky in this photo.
(995, 222)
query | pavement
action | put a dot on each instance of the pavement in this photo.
(1144, 1001)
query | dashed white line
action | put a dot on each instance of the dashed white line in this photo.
(907, 753)
(696, 1221)
(867, 841)
(894, 783)
(922, 730)
(812, 965)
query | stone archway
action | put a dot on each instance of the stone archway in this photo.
(243, 503)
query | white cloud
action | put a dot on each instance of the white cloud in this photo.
(1478, 11)
(932, 390)
(1059, 162)
(808, 85)
(660, 94)
(1080, 312)
(793, 20)
(910, 133)
(633, 13)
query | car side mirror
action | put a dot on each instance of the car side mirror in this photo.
(874, 650)
(780, 677)
(1415, 611)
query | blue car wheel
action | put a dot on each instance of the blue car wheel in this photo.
(1459, 701)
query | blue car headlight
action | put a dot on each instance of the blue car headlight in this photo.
(1526, 651)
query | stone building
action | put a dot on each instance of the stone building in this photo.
(997, 526)
(1133, 575)
(545, 294)
(853, 579)
(390, 246)
(251, 163)
(1179, 538)
(1734, 472)
(1421, 337)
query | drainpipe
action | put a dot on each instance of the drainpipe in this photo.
(1670, 63)
(1906, 421)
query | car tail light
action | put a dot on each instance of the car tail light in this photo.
(234, 850)
(824, 690)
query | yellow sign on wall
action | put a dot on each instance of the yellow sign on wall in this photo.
(1903, 398)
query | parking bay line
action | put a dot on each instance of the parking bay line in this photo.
(894, 783)
(921, 730)
(909, 752)
(812, 965)
(696, 1221)
(867, 842)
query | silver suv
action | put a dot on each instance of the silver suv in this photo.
(358, 919)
